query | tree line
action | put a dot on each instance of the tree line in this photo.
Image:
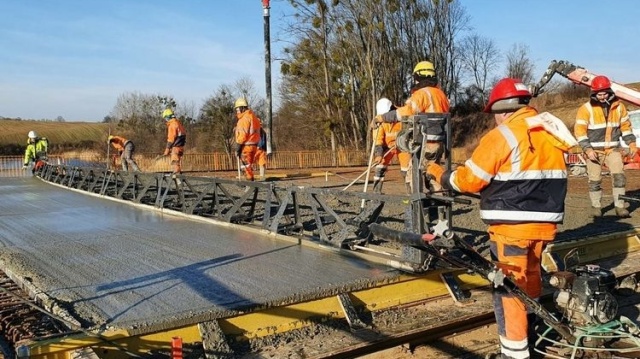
(341, 57)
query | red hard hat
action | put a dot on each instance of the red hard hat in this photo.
(506, 95)
(600, 83)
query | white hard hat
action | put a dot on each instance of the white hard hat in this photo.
(383, 106)
(33, 134)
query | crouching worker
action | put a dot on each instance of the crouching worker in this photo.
(36, 151)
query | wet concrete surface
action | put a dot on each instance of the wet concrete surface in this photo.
(112, 264)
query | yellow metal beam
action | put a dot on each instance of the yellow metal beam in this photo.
(402, 290)
(591, 249)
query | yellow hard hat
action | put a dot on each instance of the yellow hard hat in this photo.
(241, 102)
(109, 139)
(167, 114)
(424, 69)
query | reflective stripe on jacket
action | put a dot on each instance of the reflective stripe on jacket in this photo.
(176, 135)
(427, 99)
(521, 175)
(248, 128)
(595, 131)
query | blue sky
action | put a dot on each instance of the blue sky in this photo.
(73, 58)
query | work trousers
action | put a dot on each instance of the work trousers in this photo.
(519, 258)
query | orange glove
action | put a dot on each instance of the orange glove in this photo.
(435, 170)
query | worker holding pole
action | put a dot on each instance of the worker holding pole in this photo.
(247, 136)
(385, 147)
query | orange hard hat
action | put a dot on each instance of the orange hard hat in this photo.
(508, 94)
(600, 84)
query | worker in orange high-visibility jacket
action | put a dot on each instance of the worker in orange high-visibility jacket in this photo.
(176, 140)
(125, 149)
(247, 136)
(385, 146)
(600, 123)
(519, 170)
(261, 153)
(426, 97)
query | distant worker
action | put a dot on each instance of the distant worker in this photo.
(125, 149)
(247, 136)
(600, 123)
(519, 170)
(426, 97)
(385, 146)
(261, 153)
(176, 140)
(36, 151)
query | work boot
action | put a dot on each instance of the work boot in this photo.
(622, 212)
(596, 211)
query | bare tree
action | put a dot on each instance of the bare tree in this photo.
(480, 57)
(519, 64)
(138, 116)
(217, 121)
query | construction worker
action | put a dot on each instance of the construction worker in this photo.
(600, 123)
(176, 139)
(519, 170)
(36, 151)
(426, 97)
(385, 146)
(247, 136)
(261, 153)
(125, 150)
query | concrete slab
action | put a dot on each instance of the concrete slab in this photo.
(111, 264)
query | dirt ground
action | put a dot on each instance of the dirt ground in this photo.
(578, 223)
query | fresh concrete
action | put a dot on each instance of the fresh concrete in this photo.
(112, 264)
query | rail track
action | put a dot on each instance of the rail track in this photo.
(20, 318)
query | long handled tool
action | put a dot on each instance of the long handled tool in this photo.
(368, 171)
(108, 150)
(445, 245)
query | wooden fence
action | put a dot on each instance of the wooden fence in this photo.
(210, 162)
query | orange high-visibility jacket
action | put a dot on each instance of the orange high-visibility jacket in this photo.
(593, 130)
(176, 135)
(248, 128)
(119, 142)
(387, 134)
(521, 175)
(427, 99)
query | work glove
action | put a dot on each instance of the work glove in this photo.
(24, 167)
(377, 160)
(166, 152)
(239, 150)
(435, 171)
(591, 154)
(375, 123)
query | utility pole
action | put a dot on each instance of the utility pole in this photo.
(267, 73)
